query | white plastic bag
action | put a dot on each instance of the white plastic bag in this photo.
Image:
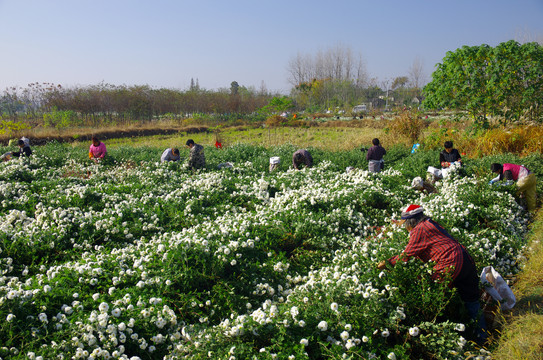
(6, 156)
(274, 163)
(436, 172)
(496, 287)
(417, 183)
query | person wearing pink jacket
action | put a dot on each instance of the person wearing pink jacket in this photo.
(97, 150)
(525, 179)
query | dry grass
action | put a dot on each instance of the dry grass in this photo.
(521, 140)
(522, 332)
(77, 132)
(408, 124)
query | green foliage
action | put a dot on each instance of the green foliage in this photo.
(278, 105)
(9, 127)
(60, 119)
(505, 81)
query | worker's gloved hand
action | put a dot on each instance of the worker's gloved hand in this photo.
(382, 264)
(491, 182)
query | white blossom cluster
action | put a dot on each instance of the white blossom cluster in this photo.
(146, 260)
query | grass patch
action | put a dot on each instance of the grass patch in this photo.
(325, 138)
(522, 332)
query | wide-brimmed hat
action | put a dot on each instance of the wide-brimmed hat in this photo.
(411, 211)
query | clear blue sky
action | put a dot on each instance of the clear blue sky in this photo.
(165, 43)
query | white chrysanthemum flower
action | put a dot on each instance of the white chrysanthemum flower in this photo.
(391, 356)
(43, 317)
(459, 327)
(323, 326)
(334, 306)
(385, 333)
(103, 307)
(414, 331)
(304, 342)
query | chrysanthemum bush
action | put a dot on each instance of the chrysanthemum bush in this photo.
(138, 259)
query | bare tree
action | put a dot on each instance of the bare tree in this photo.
(361, 76)
(525, 36)
(300, 69)
(263, 89)
(336, 63)
(416, 73)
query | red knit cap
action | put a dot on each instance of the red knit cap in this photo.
(410, 211)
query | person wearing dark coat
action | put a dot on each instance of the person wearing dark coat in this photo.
(375, 156)
(449, 155)
(301, 157)
(24, 149)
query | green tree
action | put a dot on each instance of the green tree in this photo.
(234, 87)
(519, 76)
(278, 105)
(506, 80)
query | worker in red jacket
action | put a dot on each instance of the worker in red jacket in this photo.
(428, 241)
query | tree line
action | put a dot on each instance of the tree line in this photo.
(504, 81)
(96, 104)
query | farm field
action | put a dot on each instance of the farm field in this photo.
(137, 259)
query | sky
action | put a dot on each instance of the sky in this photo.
(166, 43)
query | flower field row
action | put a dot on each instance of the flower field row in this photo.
(140, 259)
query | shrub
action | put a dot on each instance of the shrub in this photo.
(408, 124)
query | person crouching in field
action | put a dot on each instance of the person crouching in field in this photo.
(197, 159)
(97, 150)
(170, 154)
(525, 179)
(301, 157)
(24, 148)
(449, 155)
(375, 157)
(428, 241)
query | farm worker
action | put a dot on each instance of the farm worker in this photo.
(449, 155)
(301, 157)
(97, 150)
(197, 158)
(170, 154)
(526, 180)
(428, 241)
(24, 148)
(375, 156)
